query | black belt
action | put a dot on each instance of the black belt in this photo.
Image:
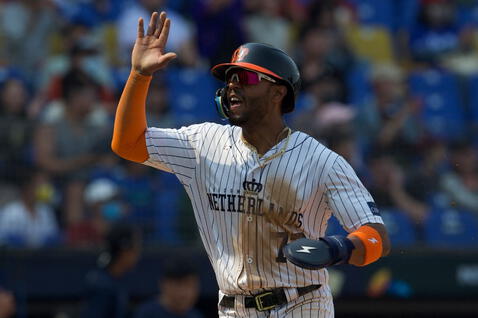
(266, 300)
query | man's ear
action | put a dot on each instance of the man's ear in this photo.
(279, 93)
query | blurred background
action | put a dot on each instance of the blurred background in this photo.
(391, 85)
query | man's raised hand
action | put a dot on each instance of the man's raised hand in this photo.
(149, 49)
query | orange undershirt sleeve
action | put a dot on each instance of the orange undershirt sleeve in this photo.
(130, 124)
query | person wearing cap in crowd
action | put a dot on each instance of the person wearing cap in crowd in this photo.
(106, 292)
(178, 291)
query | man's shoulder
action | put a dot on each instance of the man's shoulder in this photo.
(199, 128)
(317, 148)
(210, 129)
(206, 124)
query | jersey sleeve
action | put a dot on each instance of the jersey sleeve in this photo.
(350, 201)
(174, 150)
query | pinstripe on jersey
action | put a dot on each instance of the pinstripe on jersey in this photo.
(246, 210)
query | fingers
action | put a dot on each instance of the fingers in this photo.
(163, 37)
(162, 18)
(153, 21)
(168, 57)
(158, 26)
(140, 28)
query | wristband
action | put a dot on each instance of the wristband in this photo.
(372, 242)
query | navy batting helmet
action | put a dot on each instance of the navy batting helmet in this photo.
(269, 60)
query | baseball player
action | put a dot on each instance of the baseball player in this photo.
(261, 193)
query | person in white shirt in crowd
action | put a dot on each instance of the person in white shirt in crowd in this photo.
(28, 221)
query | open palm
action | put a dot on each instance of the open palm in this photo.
(149, 49)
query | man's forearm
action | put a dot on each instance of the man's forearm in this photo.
(130, 122)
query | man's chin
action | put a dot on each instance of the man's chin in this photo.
(237, 121)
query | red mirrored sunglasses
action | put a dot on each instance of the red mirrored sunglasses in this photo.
(246, 77)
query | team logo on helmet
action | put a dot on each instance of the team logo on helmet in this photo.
(239, 54)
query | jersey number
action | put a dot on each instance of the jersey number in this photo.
(284, 238)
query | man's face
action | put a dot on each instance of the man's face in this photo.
(82, 100)
(181, 293)
(249, 103)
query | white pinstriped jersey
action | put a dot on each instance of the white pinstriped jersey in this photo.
(247, 207)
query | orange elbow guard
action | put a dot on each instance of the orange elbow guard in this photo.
(372, 242)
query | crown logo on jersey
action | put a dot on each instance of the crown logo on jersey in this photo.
(252, 187)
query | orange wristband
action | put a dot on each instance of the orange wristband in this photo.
(372, 242)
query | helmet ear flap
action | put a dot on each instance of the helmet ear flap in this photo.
(222, 103)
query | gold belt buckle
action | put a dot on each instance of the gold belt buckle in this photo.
(259, 304)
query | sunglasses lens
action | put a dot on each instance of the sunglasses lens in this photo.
(243, 76)
(249, 78)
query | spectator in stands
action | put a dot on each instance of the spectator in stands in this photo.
(17, 126)
(390, 120)
(325, 119)
(69, 145)
(321, 55)
(103, 207)
(159, 107)
(181, 29)
(333, 125)
(178, 291)
(219, 28)
(461, 182)
(140, 189)
(83, 53)
(436, 32)
(464, 59)
(386, 183)
(7, 304)
(333, 17)
(103, 196)
(25, 27)
(27, 222)
(423, 179)
(268, 17)
(342, 140)
(106, 292)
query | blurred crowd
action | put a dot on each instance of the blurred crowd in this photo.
(390, 85)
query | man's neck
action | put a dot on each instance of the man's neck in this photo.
(264, 137)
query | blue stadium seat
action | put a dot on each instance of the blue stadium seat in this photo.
(442, 111)
(391, 14)
(406, 13)
(375, 12)
(358, 85)
(400, 228)
(467, 13)
(166, 220)
(451, 228)
(192, 95)
(473, 99)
